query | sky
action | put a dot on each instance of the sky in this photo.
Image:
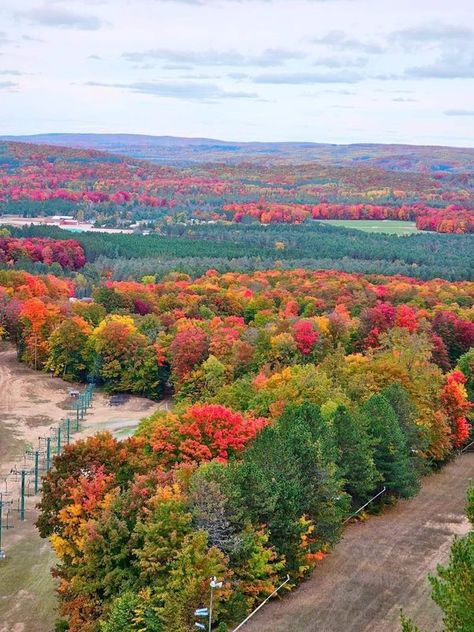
(339, 71)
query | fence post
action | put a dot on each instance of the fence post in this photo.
(36, 471)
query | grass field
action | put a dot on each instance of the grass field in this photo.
(389, 226)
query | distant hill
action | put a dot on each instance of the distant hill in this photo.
(178, 150)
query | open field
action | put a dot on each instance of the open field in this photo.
(380, 566)
(78, 227)
(30, 402)
(387, 226)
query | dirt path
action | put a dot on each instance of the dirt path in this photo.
(30, 403)
(380, 566)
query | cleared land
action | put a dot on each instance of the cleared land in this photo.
(387, 226)
(380, 566)
(30, 402)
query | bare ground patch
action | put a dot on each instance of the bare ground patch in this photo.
(380, 566)
(30, 402)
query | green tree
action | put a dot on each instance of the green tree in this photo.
(69, 355)
(132, 612)
(290, 483)
(466, 365)
(391, 454)
(416, 436)
(355, 455)
(453, 584)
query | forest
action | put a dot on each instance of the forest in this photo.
(196, 248)
(308, 367)
(41, 180)
(297, 396)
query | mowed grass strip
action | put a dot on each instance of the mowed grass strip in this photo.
(387, 226)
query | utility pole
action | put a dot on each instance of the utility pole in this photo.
(213, 584)
(78, 424)
(47, 452)
(3, 503)
(68, 430)
(35, 455)
(21, 501)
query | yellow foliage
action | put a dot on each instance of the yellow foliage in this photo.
(127, 321)
(322, 323)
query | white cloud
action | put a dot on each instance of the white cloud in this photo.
(56, 17)
(187, 91)
(271, 69)
(269, 57)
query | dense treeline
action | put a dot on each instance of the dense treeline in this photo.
(65, 252)
(298, 396)
(424, 256)
(451, 219)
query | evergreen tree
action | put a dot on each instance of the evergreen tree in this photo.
(290, 482)
(355, 455)
(392, 456)
(415, 435)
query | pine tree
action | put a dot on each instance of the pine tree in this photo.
(391, 455)
(415, 435)
(355, 455)
(290, 482)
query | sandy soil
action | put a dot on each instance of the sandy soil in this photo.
(380, 566)
(30, 403)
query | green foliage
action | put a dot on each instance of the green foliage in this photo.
(466, 365)
(453, 584)
(355, 455)
(287, 476)
(132, 612)
(221, 246)
(69, 355)
(392, 453)
(415, 435)
(408, 625)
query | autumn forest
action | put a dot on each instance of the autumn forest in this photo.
(308, 367)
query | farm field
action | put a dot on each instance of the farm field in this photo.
(385, 226)
(30, 402)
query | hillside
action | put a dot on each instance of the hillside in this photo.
(113, 190)
(175, 150)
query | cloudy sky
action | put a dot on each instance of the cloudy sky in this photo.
(318, 70)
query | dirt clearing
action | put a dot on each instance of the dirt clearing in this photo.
(30, 402)
(380, 566)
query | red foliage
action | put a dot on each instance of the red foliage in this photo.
(452, 219)
(446, 220)
(305, 336)
(456, 406)
(204, 432)
(406, 317)
(68, 253)
(456, 333)
(187, 349)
